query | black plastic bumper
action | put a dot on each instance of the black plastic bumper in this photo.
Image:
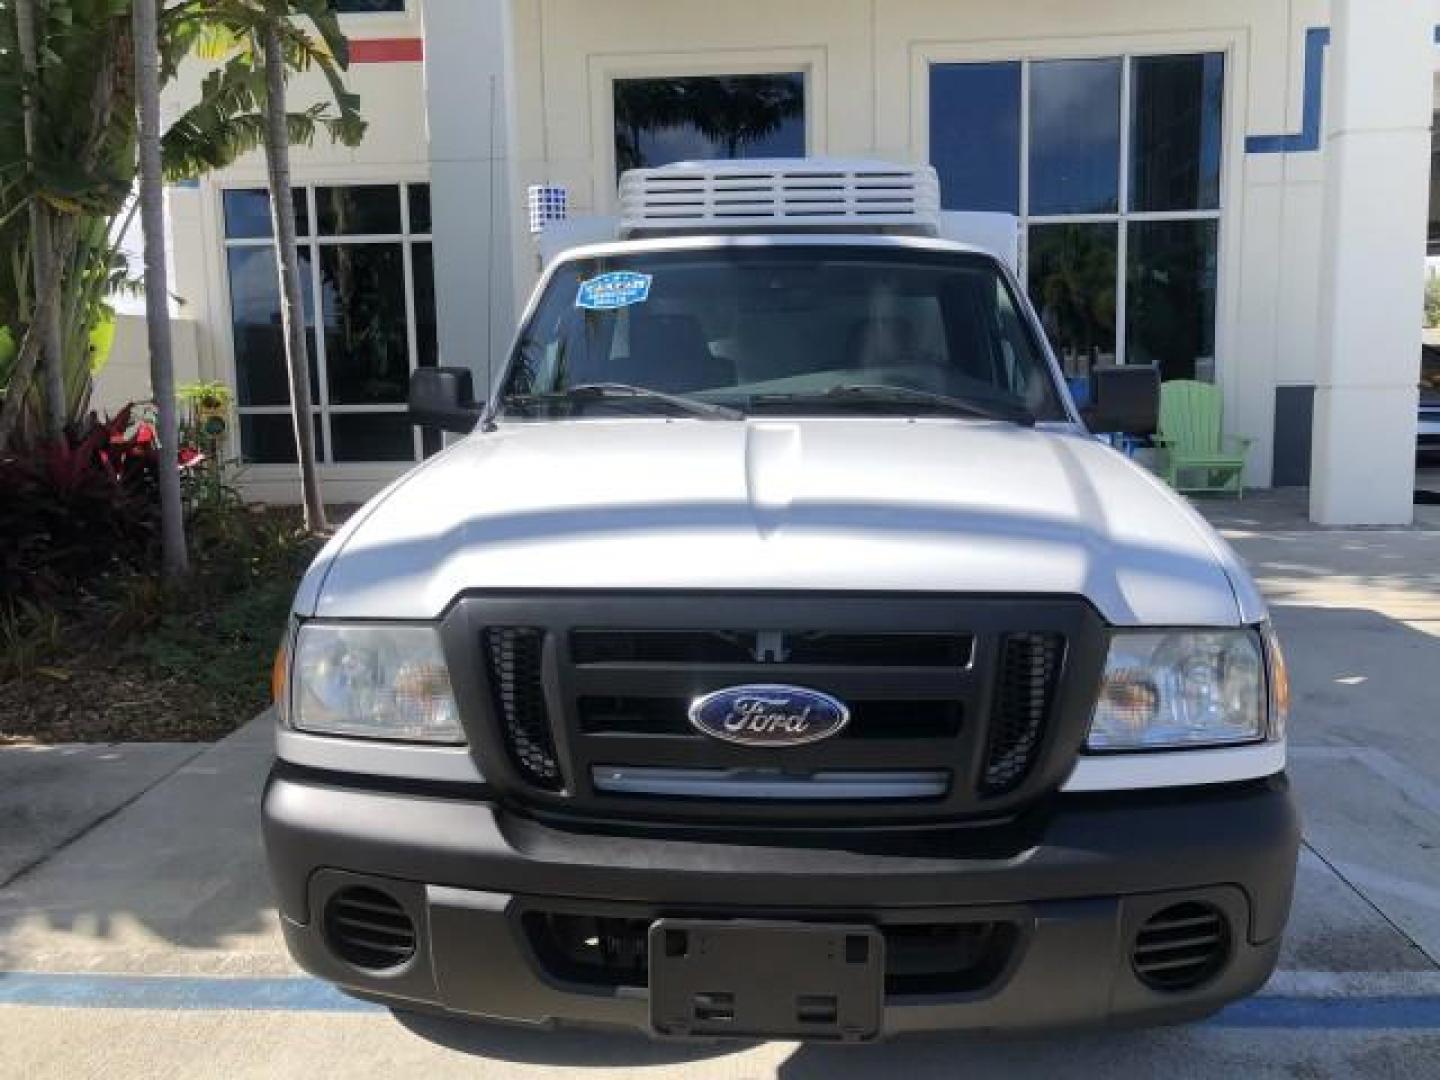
(465, 871)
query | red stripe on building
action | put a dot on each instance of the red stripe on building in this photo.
(387, 50)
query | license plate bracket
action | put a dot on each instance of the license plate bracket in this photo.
(777, 980)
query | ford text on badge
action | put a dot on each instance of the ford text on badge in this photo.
(769, 715)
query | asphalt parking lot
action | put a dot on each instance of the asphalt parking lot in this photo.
(137, 938)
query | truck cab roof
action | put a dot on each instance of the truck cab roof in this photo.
(706, 241)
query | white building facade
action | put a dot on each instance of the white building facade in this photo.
(1235, 191)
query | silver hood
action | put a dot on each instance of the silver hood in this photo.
(872, 504)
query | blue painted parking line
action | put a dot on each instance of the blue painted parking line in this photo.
(218, 994)
(181, 992)
(1355, 1013)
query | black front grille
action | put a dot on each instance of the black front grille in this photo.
(782, 647)
(516, 681)
(369, 929)
(583, 685)
(920, 958)
(670, 716)
(1024, 692)
(1182, 947)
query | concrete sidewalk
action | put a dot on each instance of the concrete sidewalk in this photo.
(158, 871)
(174, 882)
(50, 795)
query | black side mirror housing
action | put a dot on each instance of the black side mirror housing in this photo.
(444, 398)
(1124, 399)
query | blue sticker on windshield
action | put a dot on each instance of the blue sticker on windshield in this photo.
(618, 289)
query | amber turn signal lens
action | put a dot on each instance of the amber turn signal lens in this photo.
(278, 672)
(1279, 672)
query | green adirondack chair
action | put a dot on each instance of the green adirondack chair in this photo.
(1198, 456)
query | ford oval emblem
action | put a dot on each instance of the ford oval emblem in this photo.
(769, 715)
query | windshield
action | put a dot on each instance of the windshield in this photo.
(809, 329)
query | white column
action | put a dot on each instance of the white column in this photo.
(1377, 182)
(189, 282)
(466, 95)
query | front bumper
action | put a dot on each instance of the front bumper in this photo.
(468, 873)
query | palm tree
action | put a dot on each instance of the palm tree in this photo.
(66, 163)
(292, 304)
(74, 157)
(47, 300)
(174, 559)
(245, 105)
(41, 248)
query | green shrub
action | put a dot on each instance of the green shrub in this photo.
(31, 636)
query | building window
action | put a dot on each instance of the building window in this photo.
(365, 253)
(683, 118)
(1113, 167)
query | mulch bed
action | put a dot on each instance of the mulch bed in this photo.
(79, 702)
(135, 663)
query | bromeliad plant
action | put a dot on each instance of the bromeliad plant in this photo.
(74, 508)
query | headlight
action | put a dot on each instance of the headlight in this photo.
(1181, 689)
(374, 681)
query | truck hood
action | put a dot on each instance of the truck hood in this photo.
(827, 504)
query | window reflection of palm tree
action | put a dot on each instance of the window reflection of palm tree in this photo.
(1075, 288)
(365, 318)
(731, 112)
(642, 105)
(737, 111)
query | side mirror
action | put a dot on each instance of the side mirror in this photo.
(444, 398)
(1124, 399)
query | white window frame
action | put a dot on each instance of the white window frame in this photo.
(1122, 217)
(312, 242)
(1126, 48)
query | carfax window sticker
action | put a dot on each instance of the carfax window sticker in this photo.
(618, 289)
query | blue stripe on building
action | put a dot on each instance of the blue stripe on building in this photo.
(1308, 137)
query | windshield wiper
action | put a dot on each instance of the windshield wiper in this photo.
(603, 391)
(884, 394)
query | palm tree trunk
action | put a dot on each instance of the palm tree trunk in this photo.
(51, 341)
(23, 370)
(174, 558)
(47, 300)
(292, 307)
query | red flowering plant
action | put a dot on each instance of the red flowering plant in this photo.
(76, 507)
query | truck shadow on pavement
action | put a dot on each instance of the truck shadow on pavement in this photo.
(572, 1048)
(1197, 1050)
(933, 1055)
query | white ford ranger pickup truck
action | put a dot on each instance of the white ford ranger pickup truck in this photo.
(778, 654)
